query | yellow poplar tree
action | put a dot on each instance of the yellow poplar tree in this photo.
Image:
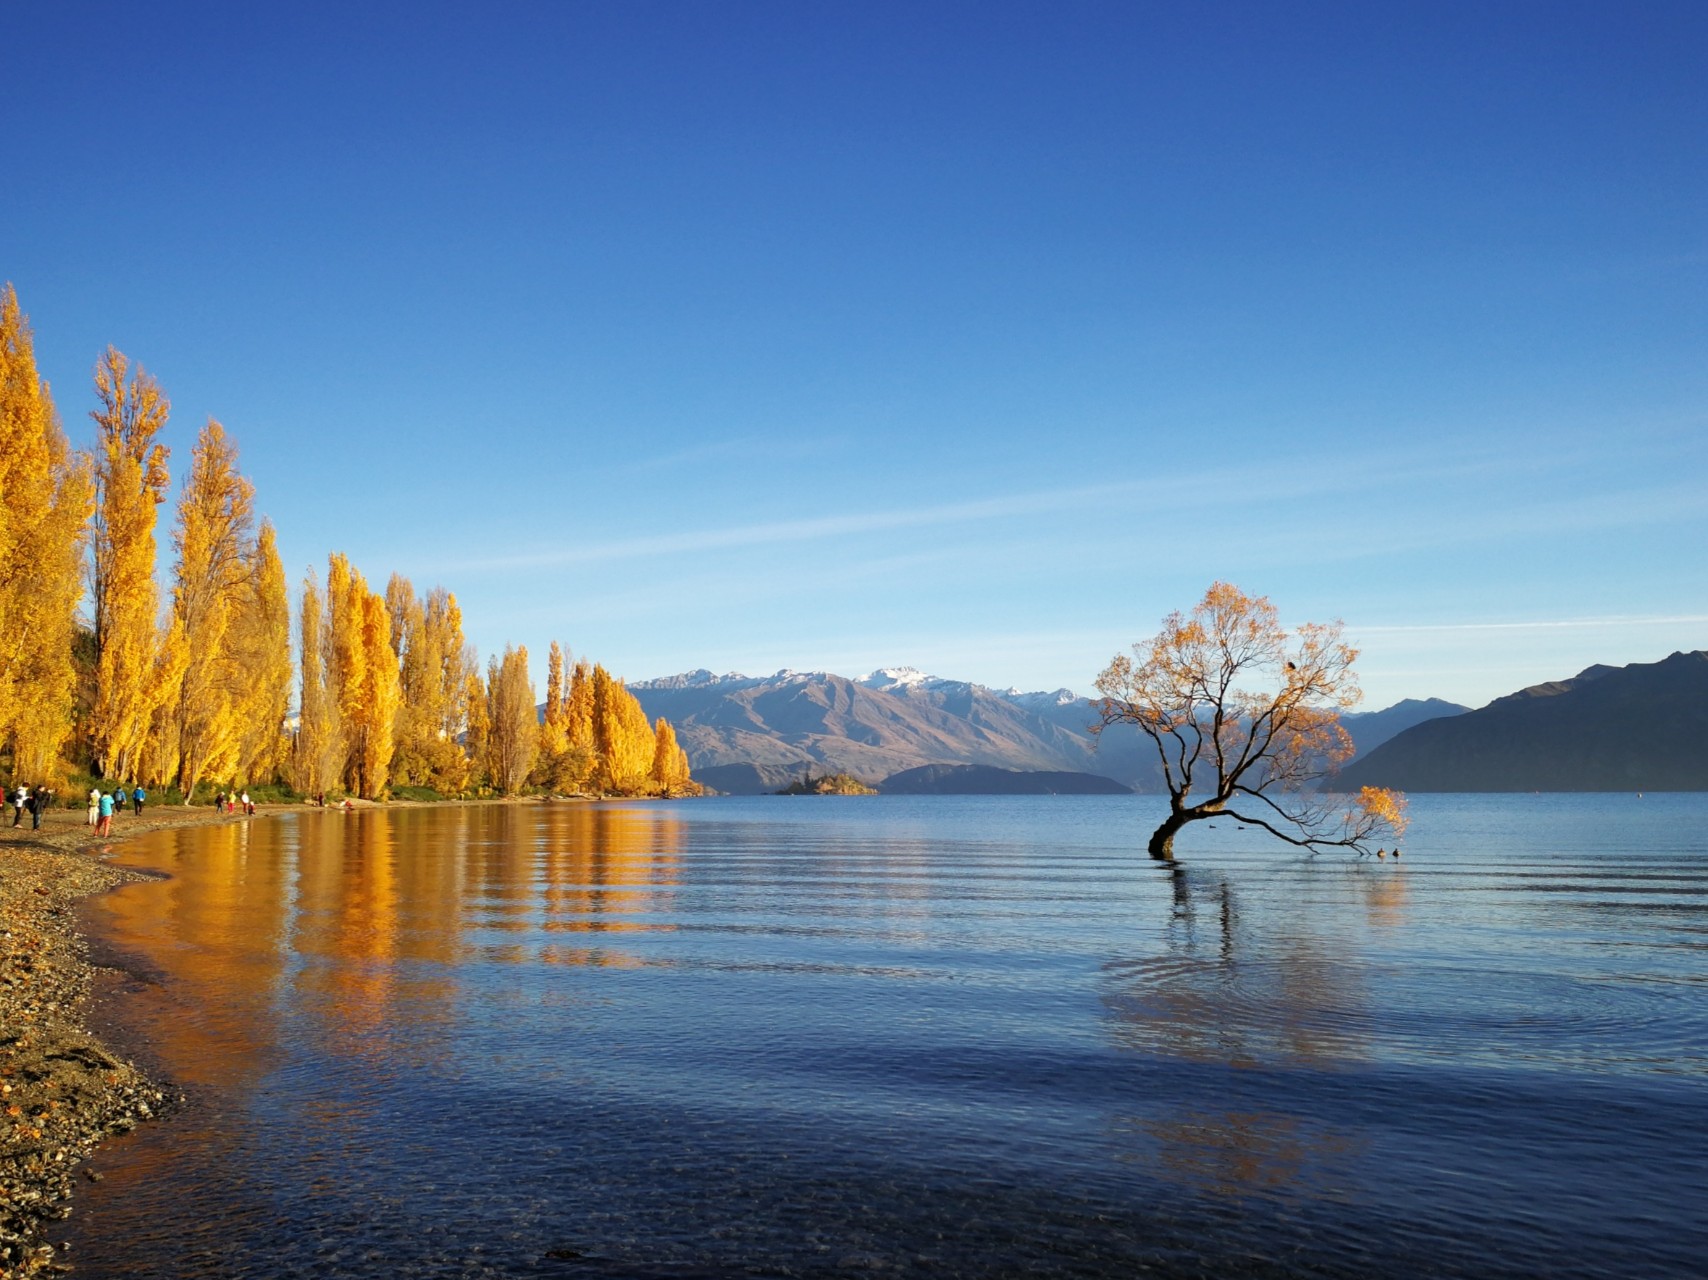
(554, 731)
(362, 671)
(319, 748)
(346, 659)
(432, 665)
(417, 723)
(381, 696)
(631, 762)
(136, 670)
(623, 739)
(447, 689)
(669, 761)
(578, 724)
(261, 663)
(562, 765)
(513, 732)
(479, 725)
(46, 495)
(215, 519)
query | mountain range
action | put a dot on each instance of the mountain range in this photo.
(1642, 727)
(751, 734)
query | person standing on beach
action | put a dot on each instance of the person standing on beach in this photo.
(94, 805)
(35, 804)
(106, 825)
(119, 799)
(137, 797)
(19, 798)
(248, 807)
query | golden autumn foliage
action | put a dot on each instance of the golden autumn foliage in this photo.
(594, 736)
(669, 761)
(362, 678)
(433, 663)
(414, 732)
(578, 710)
(387, 687)
(381, 696)
(137, 668)
(479, 730)
(319, 746)
(513, 732)
(1381, 806)
(565, 759)
(46, 494)
(622, 737)
(554, 726)
(213, 537)
(260, 648)
(448, 688)
(1244, 714)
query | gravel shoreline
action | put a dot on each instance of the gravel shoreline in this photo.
(61, 1090)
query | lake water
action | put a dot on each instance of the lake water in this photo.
(913, 1037)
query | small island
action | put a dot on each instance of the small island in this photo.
(834, 784)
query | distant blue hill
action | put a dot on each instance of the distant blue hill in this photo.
(1638, 728)
(1370, 729)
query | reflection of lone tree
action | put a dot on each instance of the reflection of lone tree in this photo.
(1246, 719)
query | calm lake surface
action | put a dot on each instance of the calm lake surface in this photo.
(913, 1037)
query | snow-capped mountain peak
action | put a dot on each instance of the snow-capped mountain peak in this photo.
(697, 679)
(897, 680)
(892, 678)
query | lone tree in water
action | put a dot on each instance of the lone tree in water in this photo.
(1246, 720)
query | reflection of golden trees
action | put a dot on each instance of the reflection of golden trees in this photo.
(380, 907)
(602, 869)
(224, 917)
(348, 913)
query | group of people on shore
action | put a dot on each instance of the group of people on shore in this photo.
(104, 804)
(227, 803)
(34, 801)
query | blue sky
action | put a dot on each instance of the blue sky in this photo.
(970, 337)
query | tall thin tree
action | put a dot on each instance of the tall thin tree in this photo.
(214, 540)
(46, 495)
(136, 667)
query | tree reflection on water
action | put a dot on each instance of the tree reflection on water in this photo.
(1256, 1008)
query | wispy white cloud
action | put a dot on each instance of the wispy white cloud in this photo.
(1538, 624)
(1259, 484)
(784, 532)
(1246, 498)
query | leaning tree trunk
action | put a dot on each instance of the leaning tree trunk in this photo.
(1161, 846)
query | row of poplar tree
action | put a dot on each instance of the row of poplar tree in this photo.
(390, 692)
